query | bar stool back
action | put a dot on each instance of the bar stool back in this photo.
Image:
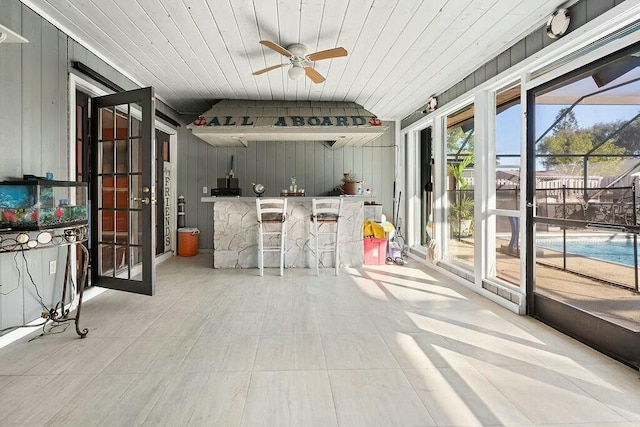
(272, 218)
(325, 214)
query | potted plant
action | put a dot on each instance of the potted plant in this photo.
(456, 171)
(350, 183)
(462, 208)
(461, 216)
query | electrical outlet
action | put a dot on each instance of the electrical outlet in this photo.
(204, 190)
(52, 267)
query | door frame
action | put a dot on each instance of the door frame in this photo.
(80, 82)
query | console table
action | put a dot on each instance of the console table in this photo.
(19, 241)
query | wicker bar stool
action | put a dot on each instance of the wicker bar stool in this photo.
(271, 212)
(325, 215)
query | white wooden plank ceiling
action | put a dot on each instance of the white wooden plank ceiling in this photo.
(400, 52)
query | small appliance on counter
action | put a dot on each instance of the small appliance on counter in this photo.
(227, 186)
(226, 192)
(228, 182)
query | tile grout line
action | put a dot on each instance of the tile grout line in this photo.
(326, 370)
(404, 375)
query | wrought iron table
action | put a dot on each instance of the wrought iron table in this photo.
(20, 241)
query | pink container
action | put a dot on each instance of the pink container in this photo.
(375, 251)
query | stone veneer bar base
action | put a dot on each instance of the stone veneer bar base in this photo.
(235, 237)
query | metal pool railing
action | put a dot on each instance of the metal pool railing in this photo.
(617, 214)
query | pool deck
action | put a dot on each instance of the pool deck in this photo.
(617, 304)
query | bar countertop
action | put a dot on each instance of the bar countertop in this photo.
(214, 199)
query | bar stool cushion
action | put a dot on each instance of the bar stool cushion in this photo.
(272, 217)
(326, 211)
(325, 217)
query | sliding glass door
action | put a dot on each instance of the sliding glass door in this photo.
(584, 143)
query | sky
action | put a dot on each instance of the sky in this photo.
(508, 122)
(616, 99)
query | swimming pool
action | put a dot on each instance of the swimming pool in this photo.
(613, 248)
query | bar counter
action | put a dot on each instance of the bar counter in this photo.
(235, 233)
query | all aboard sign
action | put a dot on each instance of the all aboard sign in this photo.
(288, 121)
(237, 122)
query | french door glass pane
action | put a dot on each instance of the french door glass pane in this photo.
(120, 160)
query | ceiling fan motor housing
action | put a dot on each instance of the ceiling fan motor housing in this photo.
(298, 61)
(297, 50)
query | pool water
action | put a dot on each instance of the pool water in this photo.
(617, 249)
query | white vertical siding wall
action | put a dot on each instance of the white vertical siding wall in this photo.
(317, 168)
(33, 140)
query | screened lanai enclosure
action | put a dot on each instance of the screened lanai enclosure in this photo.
(584, 169)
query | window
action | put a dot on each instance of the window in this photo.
(459, 142)
(504, 263)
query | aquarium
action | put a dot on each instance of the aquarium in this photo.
(42, 204)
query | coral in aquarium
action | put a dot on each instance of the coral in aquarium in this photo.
(9, 216)
(18, 217)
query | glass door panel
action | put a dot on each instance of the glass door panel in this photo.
(460, 186)
(125, 185)
(583, 204)
(503, 261)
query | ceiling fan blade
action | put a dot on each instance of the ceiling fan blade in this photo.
(264, 70)
(315, 76)
(276, 47)
(328, 54)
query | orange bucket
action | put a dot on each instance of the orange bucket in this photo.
(188, 241)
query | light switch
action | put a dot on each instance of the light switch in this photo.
(204, 190)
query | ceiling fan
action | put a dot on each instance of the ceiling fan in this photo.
(301, 62)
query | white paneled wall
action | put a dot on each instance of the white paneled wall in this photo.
(33, 140)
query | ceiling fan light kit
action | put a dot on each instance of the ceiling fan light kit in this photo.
(296, 72)
(301, 62)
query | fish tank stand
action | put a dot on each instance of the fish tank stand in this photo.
(58, 237)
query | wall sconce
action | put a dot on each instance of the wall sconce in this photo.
(432, 104)
(8, 36)
(558, 23)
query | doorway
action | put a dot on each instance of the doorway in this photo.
(114, 151)
(426, 186)
(583, 209)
